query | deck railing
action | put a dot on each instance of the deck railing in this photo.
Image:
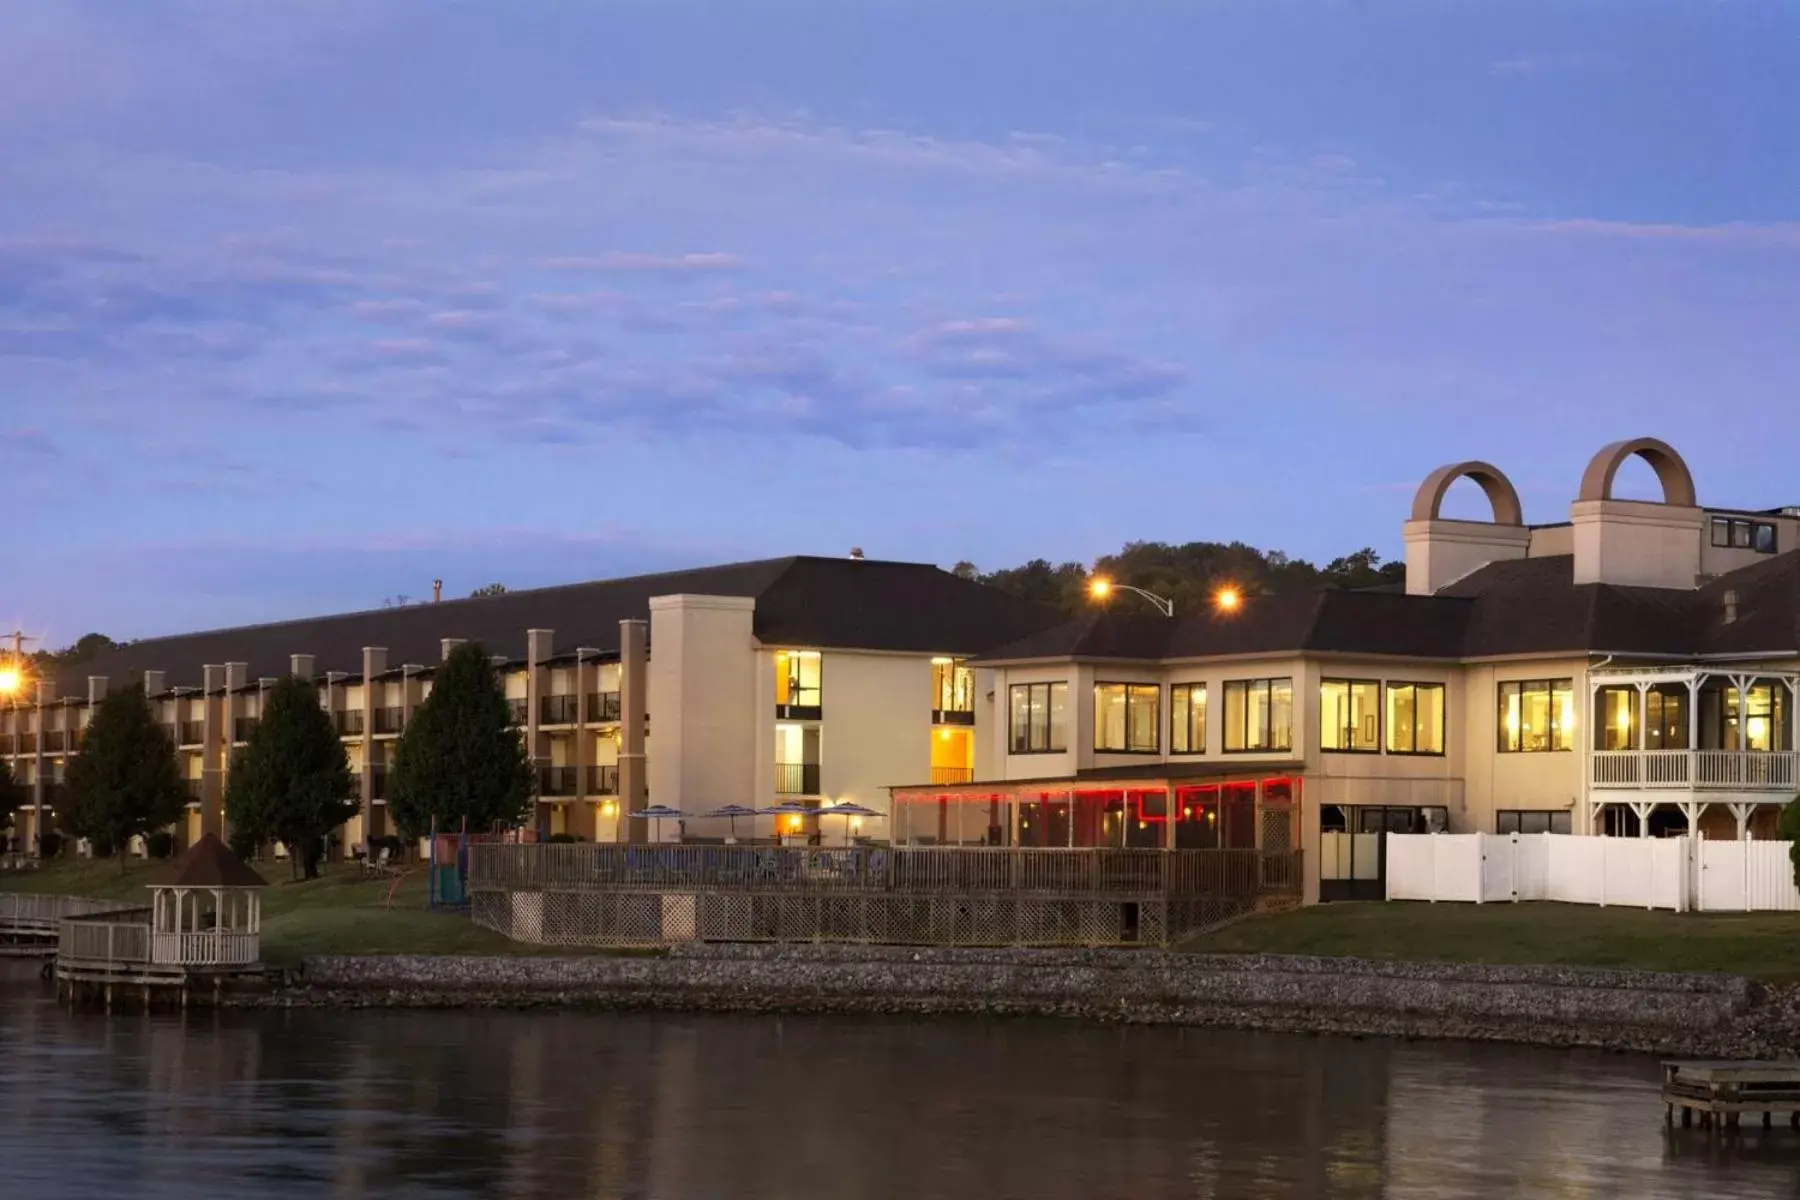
(207, 948)
(25, 909)
(908, 869)
(121, 937)
(1699, 770)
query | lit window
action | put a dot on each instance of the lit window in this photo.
(1039, 717)
(1415, 718)
(1537, 715)
(1350, 715)
(1187, 718)
(797, 678)
(952, 686)
(1259, 715)
(1126, 720)
(1615, 718)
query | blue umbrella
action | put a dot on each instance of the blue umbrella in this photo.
(846, 810)
(790, 808)
(659, 813)
(731, 812)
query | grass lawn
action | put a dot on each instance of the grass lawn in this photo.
(1765, 945)
(341, 913)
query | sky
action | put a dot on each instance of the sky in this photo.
(306, 303)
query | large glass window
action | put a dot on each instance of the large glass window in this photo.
(797, 678)
(952, 686)
(1537, 715)
(1187, 718)
(1350, 715)
(1126, 720)
(1039, 717)
(1259, 715)
(1740, 533)
(1615, 718)
(1415, 718)
(1527, 820)
(1666, 718)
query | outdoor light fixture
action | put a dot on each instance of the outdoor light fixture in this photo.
(1101, 588)
(1227, 599)
(11, 680)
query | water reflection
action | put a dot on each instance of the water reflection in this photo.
(351, 1104)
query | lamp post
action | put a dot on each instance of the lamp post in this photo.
(1102, 587)
(14, 679)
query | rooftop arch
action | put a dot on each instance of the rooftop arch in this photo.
(1428, 502)
(1671, 471)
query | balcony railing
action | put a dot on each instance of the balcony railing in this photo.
(348, 722)
(243, 727)
(54, 740)
(558, 781)
(603, 781)
(172, 729)
(192, 733)
(797, 779)
(1695, 770)
(7, 742)
(952, 716)
(519, 711)
(559, 710)
(602, 706)
(953, 774)
(390, 720)
(378, 783)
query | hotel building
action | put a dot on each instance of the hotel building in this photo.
(1630, 671)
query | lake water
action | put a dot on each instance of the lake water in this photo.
(350, 1104)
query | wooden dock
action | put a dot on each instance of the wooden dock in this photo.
(30, 923)
(1721, 1092)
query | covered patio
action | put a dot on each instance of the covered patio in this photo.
(1212, 806)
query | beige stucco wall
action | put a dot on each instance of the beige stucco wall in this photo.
(1634, 542)
(1549, 780)
(877, 727)
(702, 676)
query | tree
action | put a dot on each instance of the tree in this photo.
(291, 780)
(491, 589)
(12, 796)
(1789, 828)
(125, 782)
(460, 757)
(966, 570)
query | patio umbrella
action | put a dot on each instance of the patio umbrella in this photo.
(659, 813)
(846, 810)
(731, 812)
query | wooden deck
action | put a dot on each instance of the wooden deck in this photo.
(1722, 1091)
(30, 924)
(116, 961)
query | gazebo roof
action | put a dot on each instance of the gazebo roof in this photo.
(209, 863)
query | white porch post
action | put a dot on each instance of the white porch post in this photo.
(1742, 811)
(1642, 809)
(1691, 810)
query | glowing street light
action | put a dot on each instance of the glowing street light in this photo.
(1227, 599)
(12, 680)
(1100, 588)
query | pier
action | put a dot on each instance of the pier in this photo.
(30, 924)
(1721, 1092)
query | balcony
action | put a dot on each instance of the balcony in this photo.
(348, 722)
(518, 711)
(558, 781)
(7, 742)
(170, 728)
(243, 727)
(1695, 770)
(54, 741)
(603, 781)
(559, 710)
(191, 733)
(390, 720)
(196, 790)
(952, 716)
(953, 774)
(378, 782)
(796, 779)
(602, 707)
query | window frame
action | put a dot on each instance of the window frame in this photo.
(1550, 816)
(1724, 535)
(1562, 739)
(1125, 728)
(1417, 685)
(1246, 687)
(1189, 690)
(1350, 685)
(1012, 729)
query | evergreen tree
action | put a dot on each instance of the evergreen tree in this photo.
(291, 780)
(1788, 827)
(12, 796)
(125, 782)
(460, 756)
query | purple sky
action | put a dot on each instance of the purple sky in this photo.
(305, 303)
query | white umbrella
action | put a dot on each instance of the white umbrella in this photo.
(731, 812)
(659, 813)
(846, 810)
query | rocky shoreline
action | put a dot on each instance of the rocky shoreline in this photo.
(1679, 1015)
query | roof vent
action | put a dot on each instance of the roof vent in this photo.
(856, 553)
(1731, 606)
(437, 591)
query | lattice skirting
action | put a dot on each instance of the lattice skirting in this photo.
(599, 918)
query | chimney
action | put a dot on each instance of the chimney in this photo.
(449, 644)
(1731, 606)
(154, 683)
(96, 688)
(856, 553)
(437, 591)
(300, 666)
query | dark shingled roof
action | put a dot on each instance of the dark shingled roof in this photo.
(821, 602)
(209, 863)
(1523, 606)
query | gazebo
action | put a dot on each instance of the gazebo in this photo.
(208, 910)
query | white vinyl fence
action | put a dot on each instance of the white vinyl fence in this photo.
(1673, 873)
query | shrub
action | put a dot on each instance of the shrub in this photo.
(245, 845)
(396, 849)
(51, 844)
(564, 839)
(100, 847)
(160, 844)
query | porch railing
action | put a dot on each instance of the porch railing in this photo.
(205, 948)
(122, 937)
(20, 909)
(1700, 770)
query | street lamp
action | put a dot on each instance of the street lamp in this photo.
(1101, 587)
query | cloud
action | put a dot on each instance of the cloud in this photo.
(1541, 64)
(648, 264)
